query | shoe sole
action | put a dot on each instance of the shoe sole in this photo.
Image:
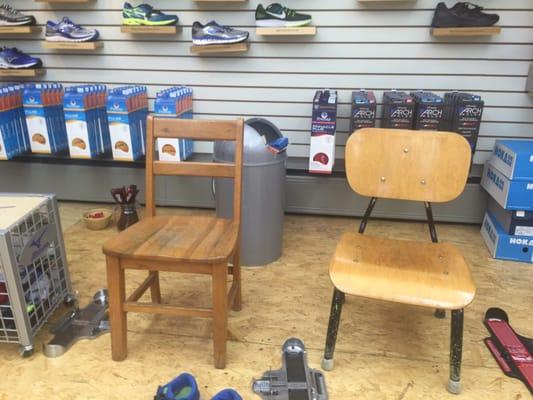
(65, 39)
(7, 23)
(9, 66)
(137, 22)
(276, 23)
(207, 42)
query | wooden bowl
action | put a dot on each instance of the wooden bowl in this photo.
(97, 224)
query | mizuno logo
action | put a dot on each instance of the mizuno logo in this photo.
(281, 15)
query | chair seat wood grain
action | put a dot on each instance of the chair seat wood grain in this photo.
(420, 273)
(201, 239)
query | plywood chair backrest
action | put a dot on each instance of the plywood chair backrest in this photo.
(205, 130)
(408, 165)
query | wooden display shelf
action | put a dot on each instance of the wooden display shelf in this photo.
(286, 31)
(220, 48)
(73, 45)
(149, 30)
(470, 31)
(22, 73)
(13, 30)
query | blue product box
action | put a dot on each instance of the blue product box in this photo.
(504, 246)
(510, 194)
(514, 158)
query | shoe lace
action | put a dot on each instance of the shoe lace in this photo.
(289, 11)
(68, 22)
(10, 10)
(471, 6)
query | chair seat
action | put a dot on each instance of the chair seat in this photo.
(201, 239)
(420, 273)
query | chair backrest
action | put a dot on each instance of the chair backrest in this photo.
(408, 165)
(205, 130)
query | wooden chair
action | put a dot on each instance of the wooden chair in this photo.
(408, 165)
(189, 244)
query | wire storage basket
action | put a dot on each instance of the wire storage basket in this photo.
(34, 277)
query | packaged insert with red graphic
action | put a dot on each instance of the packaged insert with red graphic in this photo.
(323, 127)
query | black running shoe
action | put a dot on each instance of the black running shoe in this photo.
(275, 15)
(10, 16)
(462, 14)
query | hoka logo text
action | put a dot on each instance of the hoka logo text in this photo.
(503, 155)
(490, 231)
(495, 179)
(521, 242)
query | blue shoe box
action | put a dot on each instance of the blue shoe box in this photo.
(504, 246)
(513, 222)
(514, 158)
(510, 194)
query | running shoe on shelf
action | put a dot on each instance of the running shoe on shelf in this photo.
(67, 31)
(276, 15)
(462, 15)
(145, 14)
(12, 58)
(11, 17)
(213, 33)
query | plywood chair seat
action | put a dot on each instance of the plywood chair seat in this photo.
(195, 239)
(420, 273)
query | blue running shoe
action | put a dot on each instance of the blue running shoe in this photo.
(12, 58)
(67, 31)
(227, 394)
(145, 14)
(213, 33)
(183, 387)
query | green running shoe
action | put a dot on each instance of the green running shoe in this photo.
(276, 15)
(145, 14)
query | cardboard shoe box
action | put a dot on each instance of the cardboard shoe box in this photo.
(510, 194)
(323, 127)
(514, 158)
(513, 222)
(504, 246)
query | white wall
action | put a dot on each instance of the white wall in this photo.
(375, 46)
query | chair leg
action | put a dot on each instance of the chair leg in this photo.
(333, 328)
(456, 351)
(155, 289)
(117, 317)
(237, 303)
(220, 313)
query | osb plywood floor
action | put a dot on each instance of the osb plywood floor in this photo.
(384, 351)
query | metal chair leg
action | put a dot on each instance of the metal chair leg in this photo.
(456, 350)
(333, 328)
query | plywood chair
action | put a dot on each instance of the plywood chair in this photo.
(188, 244)
(406, 165)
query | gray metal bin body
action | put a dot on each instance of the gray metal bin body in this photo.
(263, 193)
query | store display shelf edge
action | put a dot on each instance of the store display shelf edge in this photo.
(286, 31)
(103, 161)
(149, 30)
(468, 31)
(20, 73)
(386, 1)
(220, 48)
(73, 45)
(220, 1)
(8, 30)
(63, 1)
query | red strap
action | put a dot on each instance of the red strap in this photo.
(518, 353)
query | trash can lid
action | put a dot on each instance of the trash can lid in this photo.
(257, 133)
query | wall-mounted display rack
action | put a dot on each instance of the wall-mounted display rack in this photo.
(15, 30)
(149, 30)
(470, 31)
(73, 45)
(220, 48)
(22, 73)
(286, 31)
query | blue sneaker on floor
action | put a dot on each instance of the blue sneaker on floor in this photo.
(227, 394)
(67, 31)
(213, 33)
(12, 58)
(183, 387)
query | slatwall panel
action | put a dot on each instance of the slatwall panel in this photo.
(374, 45)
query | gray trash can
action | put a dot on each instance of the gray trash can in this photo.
(263, 192)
